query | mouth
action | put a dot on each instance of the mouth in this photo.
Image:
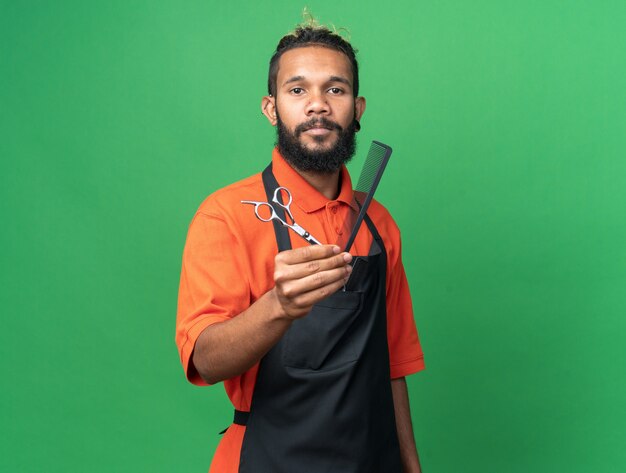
(318, 127)
(317, 130)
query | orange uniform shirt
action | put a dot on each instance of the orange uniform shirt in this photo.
(228, 263)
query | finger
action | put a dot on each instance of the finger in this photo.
(307, 253)
(286, 272)
(308, 299)
(294, 288)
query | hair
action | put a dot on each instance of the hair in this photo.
(312, 34)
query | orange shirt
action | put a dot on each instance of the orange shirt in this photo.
(228, 263)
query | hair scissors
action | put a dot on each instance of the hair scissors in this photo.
(274, 216)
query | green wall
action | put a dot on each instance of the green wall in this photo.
(508, 181)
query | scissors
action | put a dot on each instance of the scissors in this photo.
(274, 216)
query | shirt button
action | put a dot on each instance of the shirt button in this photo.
(334, 210)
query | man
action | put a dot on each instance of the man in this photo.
(315, 372)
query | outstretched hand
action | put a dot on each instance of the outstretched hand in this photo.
(305, 276)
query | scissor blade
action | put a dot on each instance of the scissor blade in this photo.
(304, 234)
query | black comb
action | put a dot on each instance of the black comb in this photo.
(373, 168)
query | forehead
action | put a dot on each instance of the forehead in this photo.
(313, 63)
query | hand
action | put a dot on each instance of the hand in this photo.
(305, 276)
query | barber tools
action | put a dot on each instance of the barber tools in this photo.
(288, 220)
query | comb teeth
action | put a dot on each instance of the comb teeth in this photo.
(370, 167)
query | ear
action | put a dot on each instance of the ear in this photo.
(359, 107)
(268, 108)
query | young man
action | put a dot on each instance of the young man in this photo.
(315, 372)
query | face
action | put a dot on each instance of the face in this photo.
(314, 108)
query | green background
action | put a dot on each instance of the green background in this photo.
(508, 180)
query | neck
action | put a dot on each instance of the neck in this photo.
(325, 184)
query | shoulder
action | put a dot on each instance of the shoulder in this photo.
(385, 224)
(222, 220)
(223, 202)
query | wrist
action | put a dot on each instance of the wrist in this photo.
(276, 311)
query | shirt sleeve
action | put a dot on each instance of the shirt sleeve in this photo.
(213, 288)
(405, 351)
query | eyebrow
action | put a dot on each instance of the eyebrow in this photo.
(343, 80)
(294, 79)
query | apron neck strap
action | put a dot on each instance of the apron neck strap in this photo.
(377, 241)
(270, 184)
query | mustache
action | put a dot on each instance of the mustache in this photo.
(317, 123)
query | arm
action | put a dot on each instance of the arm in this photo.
(408, 451)
(302, 277)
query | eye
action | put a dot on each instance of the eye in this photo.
(297, 91)
(335, 90)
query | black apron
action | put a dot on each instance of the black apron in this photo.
(322, 402)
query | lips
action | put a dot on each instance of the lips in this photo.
(317, 127)
(317, 131)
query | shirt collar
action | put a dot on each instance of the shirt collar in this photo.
(304, 194)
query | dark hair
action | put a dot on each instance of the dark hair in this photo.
(304, 36)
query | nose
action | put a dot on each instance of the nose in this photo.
(317, 104)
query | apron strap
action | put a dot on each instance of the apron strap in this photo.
(241, 417)
(376, 238)
(270, 184)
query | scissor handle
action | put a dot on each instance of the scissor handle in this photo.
(286, 206)
(277, 194)
(273, 214)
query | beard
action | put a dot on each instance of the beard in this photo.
(322, 161)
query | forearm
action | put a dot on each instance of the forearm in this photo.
(229, 348)
(408, 450)
(302, 277)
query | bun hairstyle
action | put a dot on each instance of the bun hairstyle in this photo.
(311, 33)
